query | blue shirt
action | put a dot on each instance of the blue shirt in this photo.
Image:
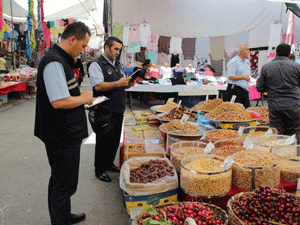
(236, 66)
(56, 81)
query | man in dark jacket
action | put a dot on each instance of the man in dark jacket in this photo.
(281, 79)
(60, 120)
(108, 79)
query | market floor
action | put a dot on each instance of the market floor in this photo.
(24, 173)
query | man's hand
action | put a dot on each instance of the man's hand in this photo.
(247, 77)
(87, 96)
(124, 81)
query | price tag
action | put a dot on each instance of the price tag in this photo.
(179, 104)
(290, 140)
(240, 131)
(247, 143)
(135, 212)
(233, 99)
(170, 100)
(227, 163)
(203, 137)
(184, 118)
(209, 148)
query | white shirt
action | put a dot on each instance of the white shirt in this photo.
(165, 72)
(145, 32)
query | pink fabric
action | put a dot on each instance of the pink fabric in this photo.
(152, 42)
(209, 73)
(154, 72)
(290, 30)
(134, 34)
(1, 17)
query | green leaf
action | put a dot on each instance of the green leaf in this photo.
(152, 211)
(165, 215)
(155, 222)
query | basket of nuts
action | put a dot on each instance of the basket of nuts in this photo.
(203, 176)
(219, 134)
(290, 168)
(254, 168)
(178, 212)
(182, 149)
(147, 175)
(228, 146)
(252, 132)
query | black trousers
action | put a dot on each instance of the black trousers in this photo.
(242, 95)
(64, 162)
(107, 144)
(287, 122)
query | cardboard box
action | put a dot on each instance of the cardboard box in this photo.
(130, 155)
(235, 125)
(136, 204)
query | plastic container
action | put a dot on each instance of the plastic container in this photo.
(183, 149)
(177, 136)
(253, 132)
(280, 145)
(254, 168)
(219, 134)
(227, 147)
(202, 176)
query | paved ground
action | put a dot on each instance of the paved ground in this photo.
(24, 173)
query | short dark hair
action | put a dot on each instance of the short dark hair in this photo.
(77, 29)
(110, 41)
(283, 50)
(211, 68)
(146, 62)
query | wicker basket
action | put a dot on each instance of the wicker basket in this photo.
(218, 211)
(233, 219)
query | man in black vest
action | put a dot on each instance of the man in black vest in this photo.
(108, 79)
(60, 120)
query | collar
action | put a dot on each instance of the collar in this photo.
(106, 60)
(69, 59)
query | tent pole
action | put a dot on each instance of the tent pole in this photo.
(13, 42)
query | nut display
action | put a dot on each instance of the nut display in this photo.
(182, 149)
(177, 125)
(264, 120)
(134, 148)
(277, 144)
(229, 112)
(290, 169)
(203, 176)
(177, 113)
(252, 132)
(216, 135)
(151, 171)
(167, 107)
(228, 147)
(254, 168)
(208, 105)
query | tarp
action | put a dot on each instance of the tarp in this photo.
(200, 18)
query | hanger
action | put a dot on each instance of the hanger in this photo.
(144, 22)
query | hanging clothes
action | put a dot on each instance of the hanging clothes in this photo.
(174, 59)
(134, 34)
(275, 36)
(145, 32)
(153, 42)
(117, 31)
(217, 45)
(151, 56)
(243, 37)
(164, 44)
(254, 63)
(230, 43)
(202, 48)
(188, 47)
(218, 66)
(140, 56)
(1, 16)
(126, 32)
(134, 46)
(175, 45)
(162, 58)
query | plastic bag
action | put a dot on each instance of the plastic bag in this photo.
(163, 184)
(202, 119)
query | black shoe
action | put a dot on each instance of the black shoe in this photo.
(114, 168)
(76, 218)
(103, 176)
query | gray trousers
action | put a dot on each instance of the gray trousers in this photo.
(287, 122)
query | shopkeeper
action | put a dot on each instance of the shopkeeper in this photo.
(238, 72)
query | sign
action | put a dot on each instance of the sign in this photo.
(233, 99)
(184, 118)
(240, 131)
(290, 140)
(227, 163)
(209, 148)
(170, 100)
(179, 104)
(247, 143)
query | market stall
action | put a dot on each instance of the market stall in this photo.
(213, 166)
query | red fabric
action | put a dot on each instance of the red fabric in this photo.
(122, 153)
(76, 73)
(13, 87)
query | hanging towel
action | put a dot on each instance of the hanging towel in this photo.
(153, 42)
(202, 48)
(188, 48)
(126, 31)
(217, 46)
(175, 45)
(134, 47)
(230, 43)
(243, 37)
(134, 34)
(145, 32)
(151, 56)
(164, 44)
(117, 31)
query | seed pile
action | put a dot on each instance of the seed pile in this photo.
(229, 112)
(204, 184)
(216, 135)
(208, 105)
(177, 125)
(151, 171)
(289, 170)
(177, 113)
(264, 120)
(226, 148)
(167, 107)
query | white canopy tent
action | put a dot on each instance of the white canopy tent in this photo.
(88, 11)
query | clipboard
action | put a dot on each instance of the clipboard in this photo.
(96, 102)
